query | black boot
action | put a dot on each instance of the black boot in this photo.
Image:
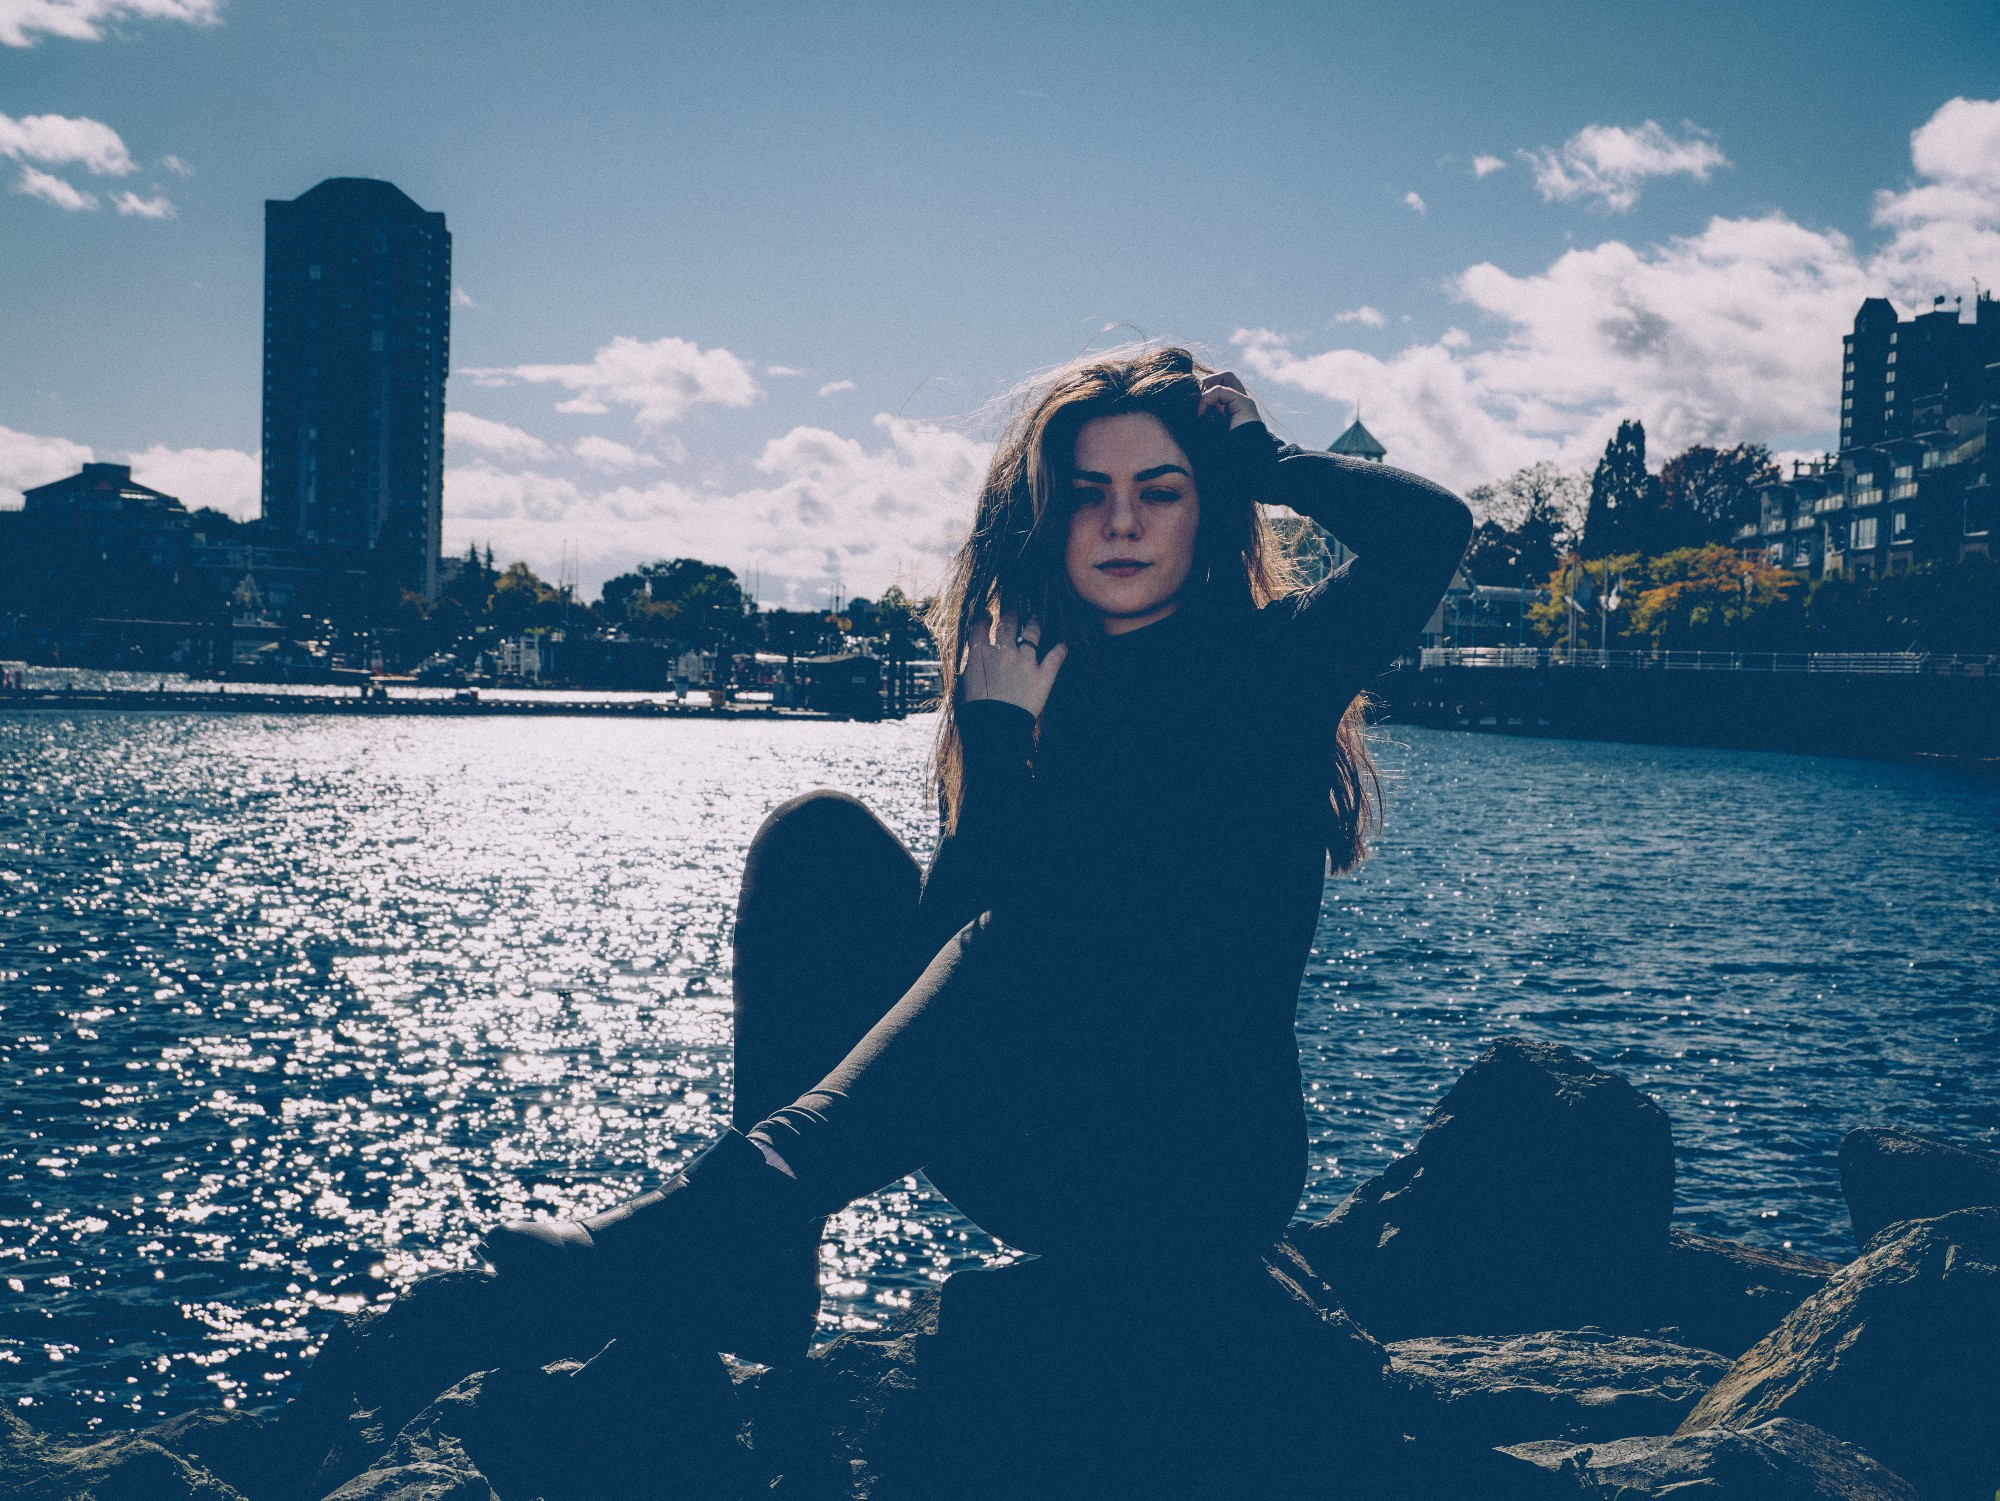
(724, 1256)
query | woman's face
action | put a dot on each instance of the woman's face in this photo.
(1131, 536)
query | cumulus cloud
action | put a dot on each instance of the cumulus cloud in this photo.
(28, 460)
(835, 387)
(1365, 315)
(51, 189)
(1414, 201)
(661, 380)
(59, 141)
(608, 457)
(1486, 166)
(1727, 335)
(497, 438)
(224, 479)
(22, 21)
(1609, 162)
(156, 207)
(825, 506)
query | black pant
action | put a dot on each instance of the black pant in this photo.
(1054, 1122)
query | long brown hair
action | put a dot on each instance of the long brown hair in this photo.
(1012, 560)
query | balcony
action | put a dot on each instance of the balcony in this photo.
(1825, 503)
(1801, 522)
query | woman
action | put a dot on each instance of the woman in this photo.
(1080, 1022)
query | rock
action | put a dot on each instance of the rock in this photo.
(1578, 1385)
(380, 1368)
(238, 1448)
(1890, 1175)
(825, 1425)
(1537, 1198)
(1900, 1353)
(1046, 1378)
(122, 1467)
(1722, 1295)
(1780, 1460)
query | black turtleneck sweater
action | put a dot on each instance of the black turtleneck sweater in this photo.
(1157, 850)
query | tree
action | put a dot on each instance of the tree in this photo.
(1696, 597)
(682, 600)
(1625, 512)
(1587, 581)
(1529, 522)
(1708, 492)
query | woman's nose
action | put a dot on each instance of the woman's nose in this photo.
(1121, 516)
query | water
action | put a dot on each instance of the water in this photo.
(289, 1009)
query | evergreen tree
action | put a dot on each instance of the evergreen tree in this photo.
(1626, 504)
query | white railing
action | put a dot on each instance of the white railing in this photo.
(1532, 657)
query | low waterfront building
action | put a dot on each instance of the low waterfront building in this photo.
(1885, 508)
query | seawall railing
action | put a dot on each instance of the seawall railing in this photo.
(1535, 658)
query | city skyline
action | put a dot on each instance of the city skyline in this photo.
(745, 294)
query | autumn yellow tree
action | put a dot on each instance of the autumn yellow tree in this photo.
(1695, 596)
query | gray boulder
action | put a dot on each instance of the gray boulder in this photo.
(1239, 1378)
(1723, 1295)
(1780, 1460)
(1900, 1353)
(1537, 1197)
(1890, 1175)
(1578, 1385)
(121, 1467)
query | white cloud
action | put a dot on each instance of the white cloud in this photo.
(1727, 335)
(1960, 143)
(58, 141)
(225, 479)
(1365, 315)
(781, 370)
(176, 166)
(660, 380)
(1486, 166)
(828, 506)
(835, 387)
(28, 460)
(608, 457)
(54, 190)
(156, 207)
(86, 20)
(496, 438)
(1414, 201)
(1609, 162)
(462, 298)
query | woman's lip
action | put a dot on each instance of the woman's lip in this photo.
(1122, 565)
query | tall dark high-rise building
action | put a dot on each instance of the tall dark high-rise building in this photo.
(357, 338)
(1901, 377)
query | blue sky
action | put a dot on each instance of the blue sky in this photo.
(777, 261)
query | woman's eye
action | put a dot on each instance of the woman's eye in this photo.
(1085, 497)
(1161, 493)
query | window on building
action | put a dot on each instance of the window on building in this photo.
(1802, 555)
(1978, 514)
(1892, 356)
(1904, 471)
(1892, 339)
(1847, 403)
(1899, 526)
(1862, 539)
(1846, 386)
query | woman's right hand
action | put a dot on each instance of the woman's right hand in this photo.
(1008, 664)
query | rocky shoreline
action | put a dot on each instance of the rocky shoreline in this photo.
(1505, 1313)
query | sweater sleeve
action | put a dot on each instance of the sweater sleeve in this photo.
(978, 862)
(1407, 536)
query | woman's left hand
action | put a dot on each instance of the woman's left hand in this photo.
(1223, 392)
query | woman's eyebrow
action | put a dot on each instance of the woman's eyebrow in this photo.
(1093, 477)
